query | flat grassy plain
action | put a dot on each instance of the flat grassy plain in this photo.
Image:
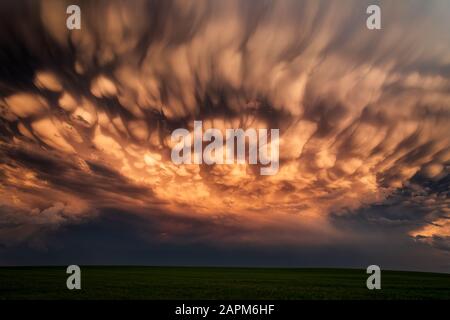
(123, 282)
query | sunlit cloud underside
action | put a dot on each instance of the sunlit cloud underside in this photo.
(86, 115)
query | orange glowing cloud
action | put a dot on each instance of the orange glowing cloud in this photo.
(359, 114)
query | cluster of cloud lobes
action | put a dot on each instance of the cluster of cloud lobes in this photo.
(86, 115)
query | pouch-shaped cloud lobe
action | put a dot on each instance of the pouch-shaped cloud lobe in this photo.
(86, 115)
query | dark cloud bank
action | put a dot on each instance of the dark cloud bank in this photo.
(85, 118)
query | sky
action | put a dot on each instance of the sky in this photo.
(86, 117)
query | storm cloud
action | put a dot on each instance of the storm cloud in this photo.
(86, 117)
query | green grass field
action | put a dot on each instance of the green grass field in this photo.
(218, 283)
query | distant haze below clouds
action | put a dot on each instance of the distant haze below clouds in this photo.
(364, 118)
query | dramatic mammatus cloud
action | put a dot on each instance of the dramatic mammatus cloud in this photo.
(86, 115)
